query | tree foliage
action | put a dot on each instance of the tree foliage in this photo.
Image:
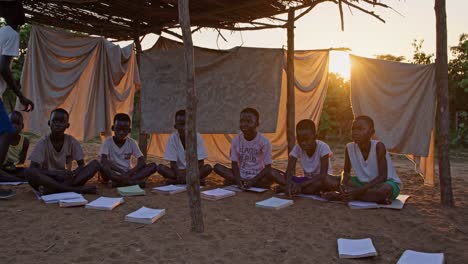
(390, 57)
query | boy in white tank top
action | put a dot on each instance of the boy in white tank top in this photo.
(376, 179)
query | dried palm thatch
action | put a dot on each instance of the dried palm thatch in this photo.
(122, 19)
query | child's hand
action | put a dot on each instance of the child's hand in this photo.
(293, 189)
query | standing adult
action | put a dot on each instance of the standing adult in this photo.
(13, 13)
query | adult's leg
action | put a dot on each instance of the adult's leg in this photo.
(225, 172)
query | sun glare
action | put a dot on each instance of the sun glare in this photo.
(339, 63)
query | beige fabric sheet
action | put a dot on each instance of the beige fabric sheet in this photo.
(89, 77)
(226, 82)
(311, 81)
(401, 99)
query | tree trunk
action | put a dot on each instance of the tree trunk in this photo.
(142, 137)
(193, 182)
(443, 114)
(290, 104)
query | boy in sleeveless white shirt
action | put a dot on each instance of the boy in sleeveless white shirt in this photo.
(116, 153)
(314, 156)
(175, 154)
(250, 155)
(12, 169)
(376, 179)
(52, 157)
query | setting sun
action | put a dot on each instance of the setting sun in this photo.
(339, 63)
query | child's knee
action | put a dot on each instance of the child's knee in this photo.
(207, 168)
(95, 165)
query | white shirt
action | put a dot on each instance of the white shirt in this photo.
(252, 156)
(311, 165)
(121, 157)
(9, 46)
(175, 150)
(367, 170)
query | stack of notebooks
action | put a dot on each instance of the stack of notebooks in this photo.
(105, 203)
(397, 204)
(73, 202)
(356, 248)
(415, 257)
(234, 188)
(133, 190)
(217, 194)
(57, 197)
(145, 215)
(169, 189)
(274, 203)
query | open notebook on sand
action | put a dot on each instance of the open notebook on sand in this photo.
(145, 215)
(73, 202)
(274, 203)
(56, 197)
(133, 190)
(234, 188)
(169, 189)
(397, 204)
(415, 257)
(105, 203)
(216, 194)
(356, 248)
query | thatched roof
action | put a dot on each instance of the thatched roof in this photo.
(123, 19)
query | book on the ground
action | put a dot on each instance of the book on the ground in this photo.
(356, 248)
(56, 197)
(397, 204)
(313, 197)
(170, 189)
(216, 194)
(415, 257)
(105, 203)
(274, 203)
(133, 190)
(234, 188)
(145, 215)
(73, 202)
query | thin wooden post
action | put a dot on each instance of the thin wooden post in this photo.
(142, 137)
(193, 182)
(443, 113)
(290, 104)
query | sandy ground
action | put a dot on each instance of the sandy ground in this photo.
(235, 230)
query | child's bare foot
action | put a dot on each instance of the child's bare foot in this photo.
(331, 196)
(88, 189)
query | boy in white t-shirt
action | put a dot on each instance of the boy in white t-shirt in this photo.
(116, 153)
(250, 155)
(314, 156)
(175, 154)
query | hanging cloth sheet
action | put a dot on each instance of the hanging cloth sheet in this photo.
(268, 95)
(89, 77)
(401, 99)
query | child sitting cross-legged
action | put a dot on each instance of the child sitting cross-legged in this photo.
(12, 168)
(376, 179)
(51, 160)
(116, 153)
(314, 156)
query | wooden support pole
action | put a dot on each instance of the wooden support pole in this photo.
(142, 137)
(193, 182)
(443, 114)
(290, 104)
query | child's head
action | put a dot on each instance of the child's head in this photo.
(305, 132)
(363, 129)
(121, 126)
(58, 121)
(16, 119)
(249, 120)
(12, 12)
(179, 122)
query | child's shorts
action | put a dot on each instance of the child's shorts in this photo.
(395, 186)
(5, 125)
